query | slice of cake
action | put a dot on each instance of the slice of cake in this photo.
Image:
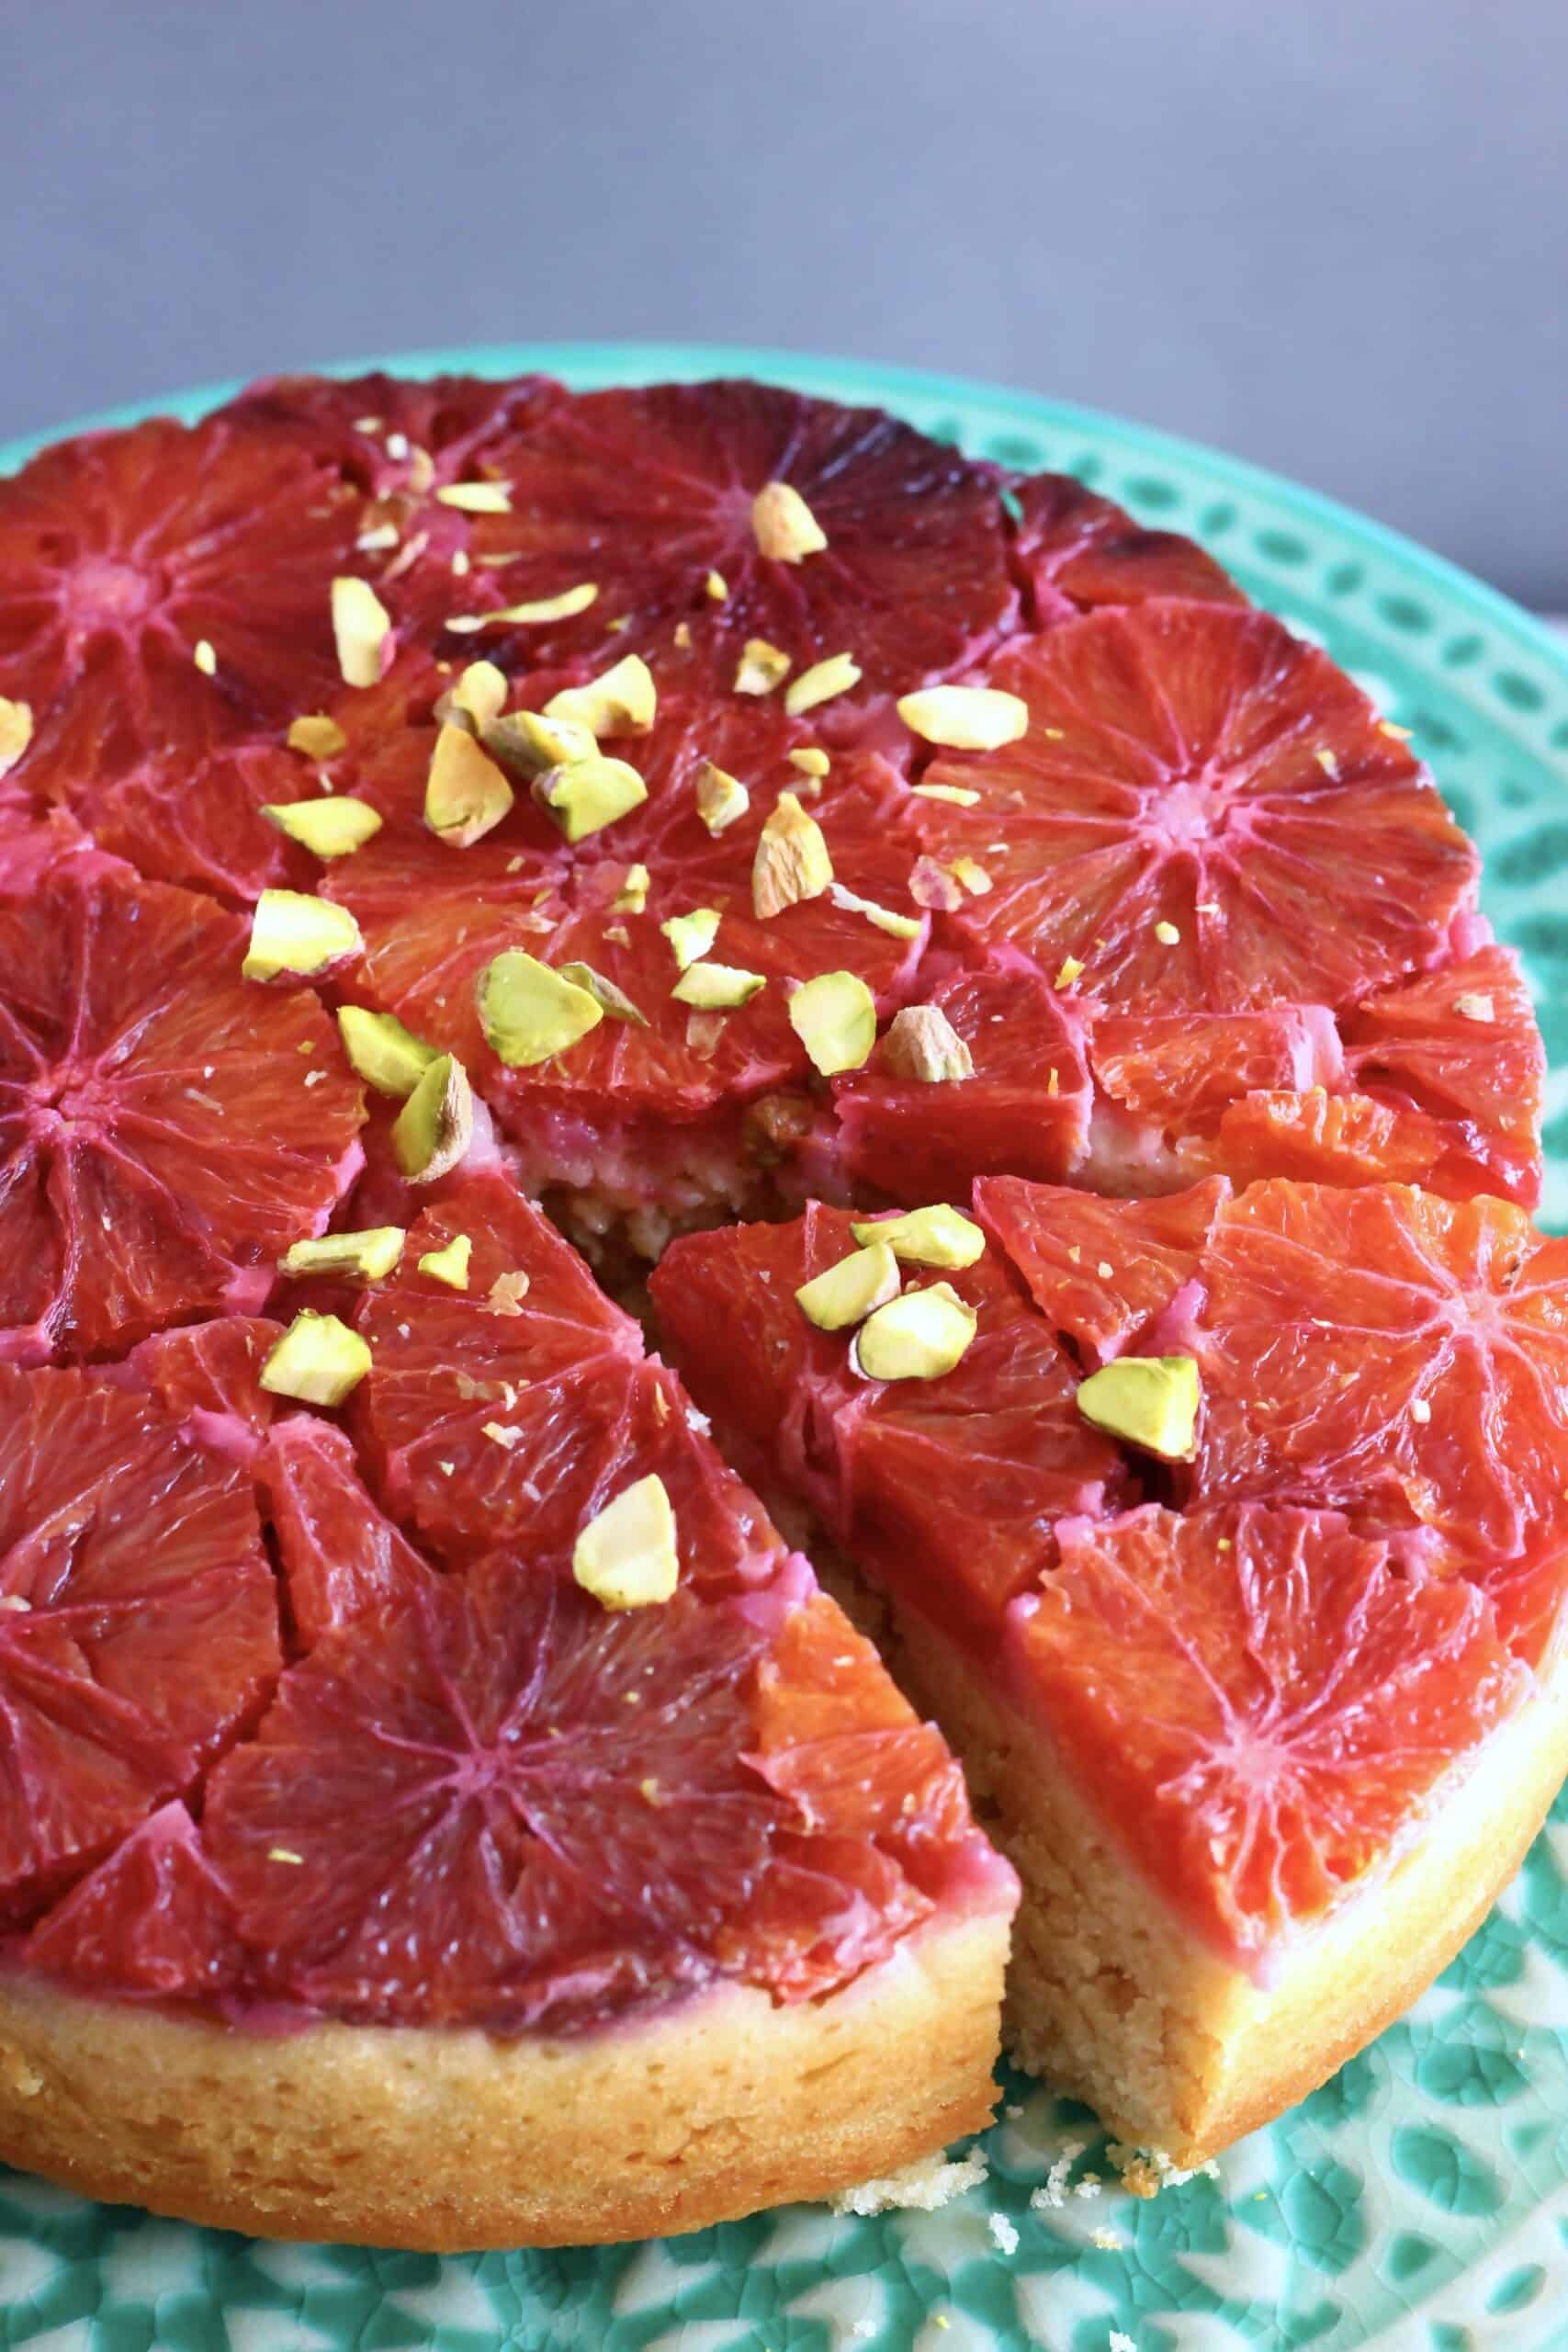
(1227, 1539)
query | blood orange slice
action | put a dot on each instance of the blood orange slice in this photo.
(393, 437)
(1075, 551)
(954, 1482)
(1177, 1073)
(506, 1865)
(884, 1798)
(513, 1411)
(1445, 1074)
(138, 1621)
(151, 1921)
(1102, 1272)
(1260, 1699)
(643, 493)
(1393, 1354)
(558, 1816)
(402, 446)
(164, 612)
(1025, 1108)
(342, 1559)
(207, 1378)
(1204, 815)
(167, 1129)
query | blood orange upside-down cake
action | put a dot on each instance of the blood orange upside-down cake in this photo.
(455, 838)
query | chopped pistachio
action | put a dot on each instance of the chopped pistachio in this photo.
(1149, 1401)
(1071, 971)
(386, 1055)
(922, 1043)
(1475, 1005)
(477, 497)
(362, 628)
(449, 1266)
(972, 876)
(527, 743)
(934, 1237)
(465, 795)
(721, 798)
(959, 795)
(622, 701)
(1167, 933)
(503, 1433)
(791, 861)
(761, 667)
(319, 1360)
(896, 926)
(632, 896)
(507, 1293)
(627, 1555)
(528, 1012)
(964, 718)
(205, 658)
(716, 587)
(586, 795)
(475, 697)
(834, 1016)
(366, 1256)
(435, 1126)
(564, 607)
(851, 1290)
(785, 527)
(920, 1336)
(319, 737)
(691, 935)
(15, 731)
(716, 988)
(614, 1000)
(809, 761)
(821, 683)
(293, 932)
(331, 828)
(1327, 761)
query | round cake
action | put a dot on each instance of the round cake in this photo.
(464, 842)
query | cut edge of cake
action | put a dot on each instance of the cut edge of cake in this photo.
(1117, 2001)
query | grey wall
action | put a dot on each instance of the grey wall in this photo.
(1330, 234)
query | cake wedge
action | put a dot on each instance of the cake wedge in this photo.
(1252, 1649)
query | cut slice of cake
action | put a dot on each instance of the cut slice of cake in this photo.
(1226, 1537)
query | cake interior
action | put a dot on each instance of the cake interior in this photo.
(1117, 2001)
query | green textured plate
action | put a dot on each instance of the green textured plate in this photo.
(1420, 2200)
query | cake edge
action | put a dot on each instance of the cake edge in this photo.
(455, 2141)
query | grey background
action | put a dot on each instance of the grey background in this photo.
(1331, 235)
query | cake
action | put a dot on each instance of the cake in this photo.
(462, 842)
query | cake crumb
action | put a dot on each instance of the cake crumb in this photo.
(1106, 2241)
(921, 2187)
(1145, 2171)
(1004, 2235)
(1053, 2192)
(1117, 2342)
